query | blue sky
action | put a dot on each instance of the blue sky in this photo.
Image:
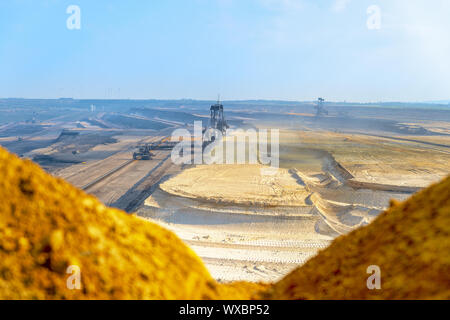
(244, 49)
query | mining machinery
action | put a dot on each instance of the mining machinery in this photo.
(320, 110)
(143, 152)
(217, 119)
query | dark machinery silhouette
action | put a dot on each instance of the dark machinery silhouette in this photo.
(320, 110)
(143, 152)
(217, 119)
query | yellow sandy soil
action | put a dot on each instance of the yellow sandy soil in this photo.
(47, 226)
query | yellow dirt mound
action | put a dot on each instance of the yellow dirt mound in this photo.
(47, 227)
(410, 243)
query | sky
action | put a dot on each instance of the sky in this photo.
(342, 50)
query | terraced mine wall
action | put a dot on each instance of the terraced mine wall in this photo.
(382, 187)
(350, 180)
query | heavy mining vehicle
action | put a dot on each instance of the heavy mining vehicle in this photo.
(143, 152)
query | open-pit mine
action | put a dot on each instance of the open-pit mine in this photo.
(336, 171)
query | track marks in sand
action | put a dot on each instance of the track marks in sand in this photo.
(232, 254)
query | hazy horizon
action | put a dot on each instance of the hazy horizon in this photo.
(444, 103)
